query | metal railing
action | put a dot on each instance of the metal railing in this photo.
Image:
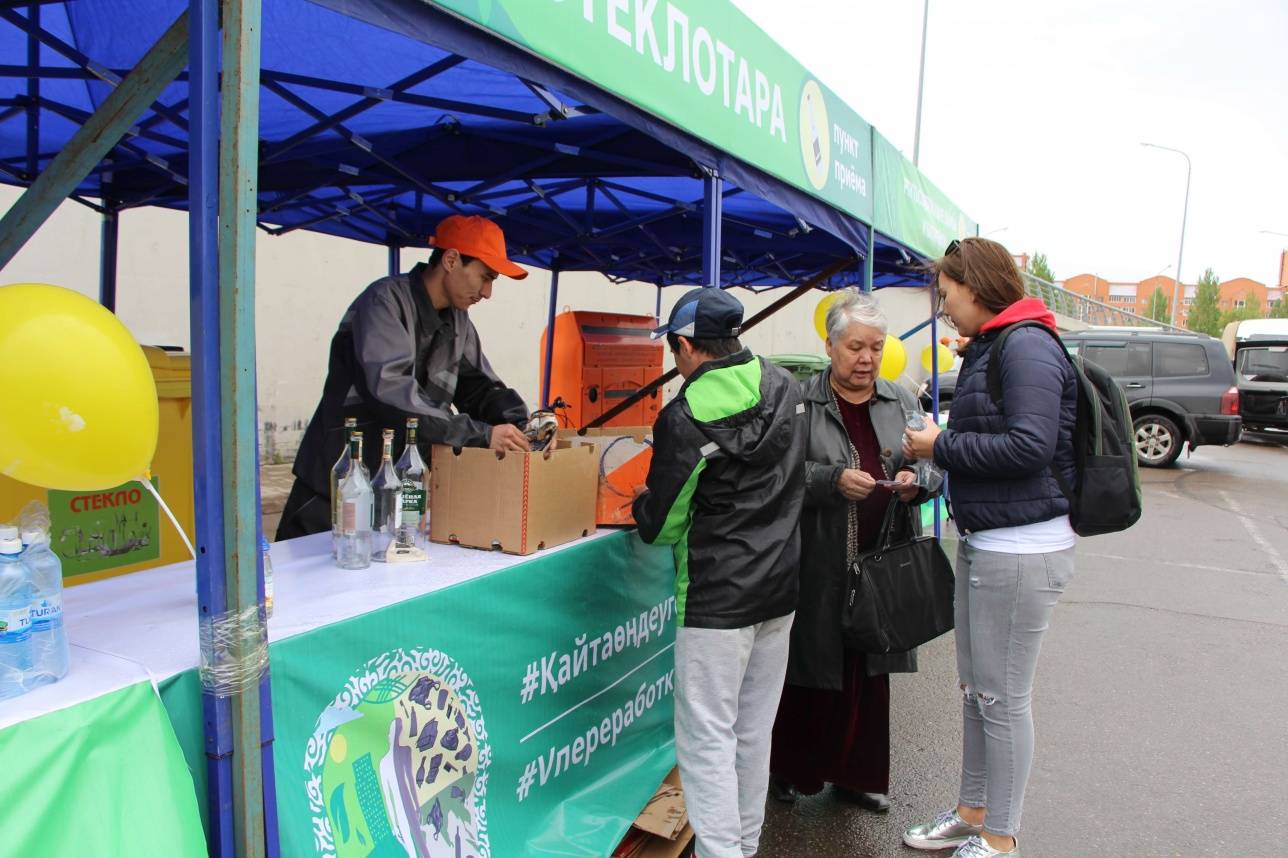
(1087, 310)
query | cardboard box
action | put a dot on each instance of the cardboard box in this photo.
(662, 829)
(625, 453)
(515, 502)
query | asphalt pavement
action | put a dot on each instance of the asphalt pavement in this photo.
(1161, 697)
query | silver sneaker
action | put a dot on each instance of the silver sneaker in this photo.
(977, 847)
(943, 832)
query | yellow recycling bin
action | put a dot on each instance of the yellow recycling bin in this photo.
(105, 533)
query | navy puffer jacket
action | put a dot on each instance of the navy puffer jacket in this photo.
(998, 458)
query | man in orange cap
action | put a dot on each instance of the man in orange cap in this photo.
(406, 348)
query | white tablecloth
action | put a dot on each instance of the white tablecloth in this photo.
(144, 625)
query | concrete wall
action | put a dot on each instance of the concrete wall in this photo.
(305, 281)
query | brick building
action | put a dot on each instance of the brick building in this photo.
(1134, 296)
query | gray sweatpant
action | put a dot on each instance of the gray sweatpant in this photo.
(727, 686)
(1003, 606)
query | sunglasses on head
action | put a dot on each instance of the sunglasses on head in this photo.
(952, 247)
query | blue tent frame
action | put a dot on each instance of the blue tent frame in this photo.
(580, 179)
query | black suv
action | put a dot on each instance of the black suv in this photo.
(1180, 386)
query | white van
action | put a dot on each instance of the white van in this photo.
(1259, 349)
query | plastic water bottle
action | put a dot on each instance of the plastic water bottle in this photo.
(268, 576)
(15, 615)
(49, 653)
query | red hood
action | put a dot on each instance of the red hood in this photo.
(1023, 310)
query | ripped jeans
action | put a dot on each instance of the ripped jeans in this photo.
(1003, 606)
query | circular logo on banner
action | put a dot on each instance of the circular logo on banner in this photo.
(814, 134)
(397, 764)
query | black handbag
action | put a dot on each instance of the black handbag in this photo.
(899, 595)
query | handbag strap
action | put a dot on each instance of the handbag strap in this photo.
(886, 539)
(852, 507)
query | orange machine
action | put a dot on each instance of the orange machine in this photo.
(599, 360)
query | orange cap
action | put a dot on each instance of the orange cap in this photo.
(479, 237)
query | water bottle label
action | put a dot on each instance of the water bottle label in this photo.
(15, 625)
(348, 518)
(47, 614)
(413, 505)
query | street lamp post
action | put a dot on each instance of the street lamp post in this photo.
(921, 80)
(1180, 287)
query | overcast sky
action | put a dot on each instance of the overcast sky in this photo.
(1034, 112)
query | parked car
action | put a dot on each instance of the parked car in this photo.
(1259, 349)
(1180, 386)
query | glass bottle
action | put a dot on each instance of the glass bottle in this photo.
(338, 471)
(354, 550)
(413, 528)
(386, 490)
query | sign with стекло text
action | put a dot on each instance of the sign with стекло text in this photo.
(98, 530)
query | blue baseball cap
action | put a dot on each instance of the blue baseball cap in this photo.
(705, 314)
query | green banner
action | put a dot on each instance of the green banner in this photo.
(93, 531)
(101, 779)
(909, 208)
(704, 67)
(527, 712)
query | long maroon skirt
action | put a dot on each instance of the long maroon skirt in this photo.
(837, 737)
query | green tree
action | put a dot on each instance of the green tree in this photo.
(1160, 309)
(1250, 310)
(1039, 268)
(1205, 314)
(1279, 309)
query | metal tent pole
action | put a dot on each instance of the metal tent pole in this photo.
(238, 207)
(107, 257)
(934, 379)
(869, 261)
(395, 260)
(549, 358)
(207, 444)
(712, 213)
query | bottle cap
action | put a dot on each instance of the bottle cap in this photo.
(9, 541)
(263, 544)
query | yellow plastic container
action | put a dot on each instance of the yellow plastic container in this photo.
(120, 530)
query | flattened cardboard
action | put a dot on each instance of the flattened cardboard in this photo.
(629, 452)
(662, 829)
(519, 503)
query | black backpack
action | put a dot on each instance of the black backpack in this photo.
(1106, 496)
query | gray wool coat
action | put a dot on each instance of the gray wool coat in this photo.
(817, 651)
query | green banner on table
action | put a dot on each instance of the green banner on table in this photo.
(93, 531)
(101, 779)
(909, 208)
(524, 713)
(704, 67)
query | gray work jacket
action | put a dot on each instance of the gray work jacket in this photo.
(394, 356)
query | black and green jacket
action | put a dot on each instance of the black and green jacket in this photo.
(725, 488)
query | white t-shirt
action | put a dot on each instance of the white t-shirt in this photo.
(1042, 537)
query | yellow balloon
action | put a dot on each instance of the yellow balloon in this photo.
(893, 358)
(80, 401)
(820, 315)
(946, 358)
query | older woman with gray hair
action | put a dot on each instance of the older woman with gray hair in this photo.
(833, 723)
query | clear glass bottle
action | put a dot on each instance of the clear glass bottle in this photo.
(354, 550)
(413, 528)
(386, 491)
(338, 471)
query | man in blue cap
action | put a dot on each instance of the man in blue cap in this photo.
(725, 489)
